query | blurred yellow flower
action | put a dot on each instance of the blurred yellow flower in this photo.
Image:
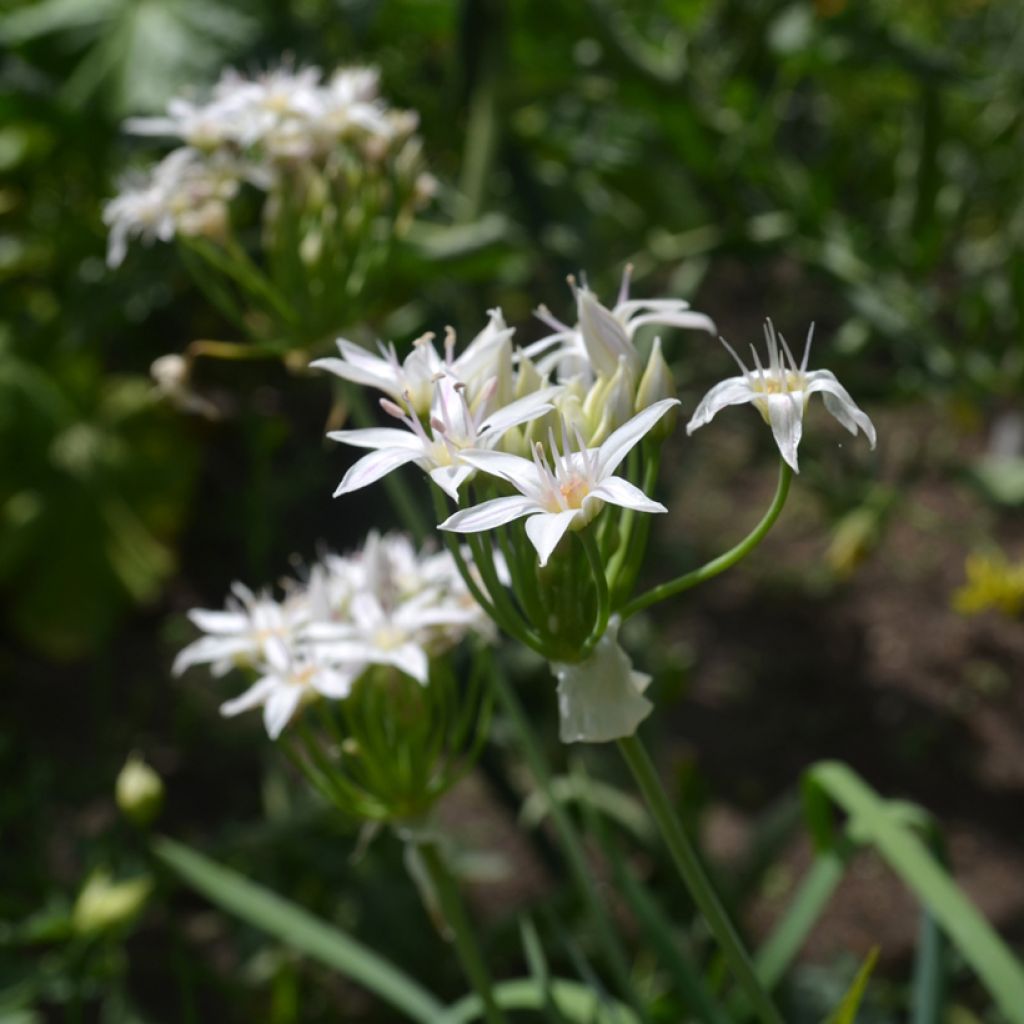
(992, 583)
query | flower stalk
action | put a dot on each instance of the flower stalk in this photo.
(694, 877)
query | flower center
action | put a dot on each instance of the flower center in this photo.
(573, 491)
(776, 382)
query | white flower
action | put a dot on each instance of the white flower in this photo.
(183, 194)
(290, 679)
(563, 493)
(601, 698)
(603, 336)
(780, 391)
(412, 380)
(453, 428)
(251, 629)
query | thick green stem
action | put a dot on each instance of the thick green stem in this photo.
(466, 943)
(722, 562)
(601, 583)
(697, 882)
(571, 843)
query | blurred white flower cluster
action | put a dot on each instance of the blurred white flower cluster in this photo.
(384, 605)
(292, 133)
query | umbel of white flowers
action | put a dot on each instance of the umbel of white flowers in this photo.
(780, 390)
(385, 605)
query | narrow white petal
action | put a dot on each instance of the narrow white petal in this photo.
(839, 403)
(370, 468)
(619, 443)
(547, 529)
(217, 621)
(256, 694)
(333, 684)
(520, 411)
(732, 391)
(209, 649)
(496, 512)
(519, 472)
(603, 334)
(357, 374)
(785, 413)
(451, 478)
(378, 437)
(409, 659)
(617, 491)
(280, 707)
(688, 321)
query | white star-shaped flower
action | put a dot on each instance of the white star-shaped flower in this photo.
(780, 392)
(560, 491)
(453, 428)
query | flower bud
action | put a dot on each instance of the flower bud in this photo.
(616, 403)
(604, 336)
(104, 904)
(139, 791)
(656, 384)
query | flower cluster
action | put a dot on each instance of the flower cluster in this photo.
(552, 450)
(311, 143)
(383, 606)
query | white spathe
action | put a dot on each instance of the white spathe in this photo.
(601, 698)
(780, 392)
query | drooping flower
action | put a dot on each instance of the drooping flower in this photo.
(453, 428)
(603, 336)
(601, 698)
(560, 491)
(780, 391)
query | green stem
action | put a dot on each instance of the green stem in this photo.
(466, 943)
(601, 582)
(693, 875)
(570, 841)
(722, 562)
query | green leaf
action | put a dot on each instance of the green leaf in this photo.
(298, 929)
(874, 822)
(846, 1011)
(576, 1002)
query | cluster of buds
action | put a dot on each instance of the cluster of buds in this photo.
(550, 452)
(340, 172)
(372, 628)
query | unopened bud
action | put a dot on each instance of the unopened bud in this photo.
(104, 904)
(139, 791)
(655, 385)
(616, 402)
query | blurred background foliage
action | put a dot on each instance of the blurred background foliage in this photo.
(856, 164)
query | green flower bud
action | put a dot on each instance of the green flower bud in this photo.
(656, 384)
(139, 791)
(616, 402)
(104, 904)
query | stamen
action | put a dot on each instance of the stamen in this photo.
(449, 344)
(627, 275)
(732, 352)
(545, 316)
(789, 354)
(392, 408)
(807, 348)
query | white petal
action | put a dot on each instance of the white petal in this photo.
(356, 374)
(280, 707)
(520, 411)
(601, 698)
(370, 468)
(603, 334)
(378, 437)
(410, 659)
(547, 529)
(496, 512)
(451, 478)
(209, 649)
(336, 685)
(688, 321)
(786, 415)
(519, 472)
(218, 622)
(732, 391)
(256, 694)
(618, 444)
(839, 403)
(617, 491)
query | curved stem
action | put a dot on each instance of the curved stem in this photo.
(722, 562)
(466, 943)
(693, 875)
